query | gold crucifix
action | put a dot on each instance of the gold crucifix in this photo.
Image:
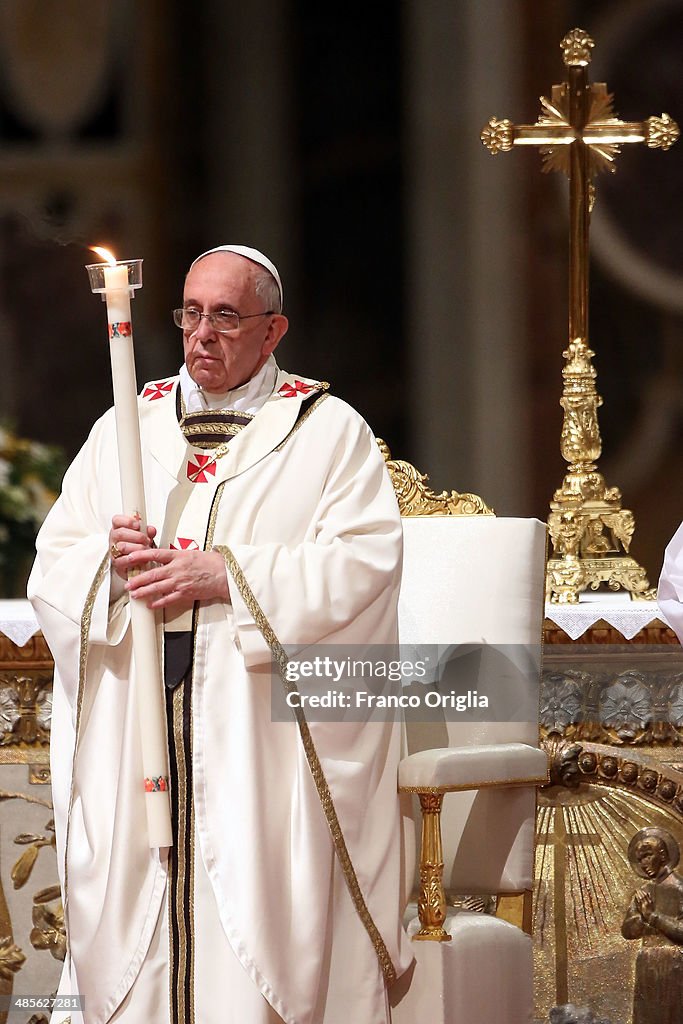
(578, 134)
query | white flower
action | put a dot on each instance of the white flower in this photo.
(38, 451)
(18, 501)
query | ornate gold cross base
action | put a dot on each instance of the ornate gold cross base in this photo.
(590, 530)
(568, 575)
(591, 533)
(590, 542)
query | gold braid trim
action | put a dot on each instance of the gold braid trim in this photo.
(86, 619)
(314, 765)
(208, 542)
(195, 421)
(300, 422)
(189, 429)
(184, 951)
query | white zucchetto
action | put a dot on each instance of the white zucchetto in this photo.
(250, 254)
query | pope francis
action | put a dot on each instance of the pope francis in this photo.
(275, 524)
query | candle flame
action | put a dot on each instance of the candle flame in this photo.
(107, 256)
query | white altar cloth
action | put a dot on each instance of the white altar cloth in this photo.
(628, 617)
(17, 621)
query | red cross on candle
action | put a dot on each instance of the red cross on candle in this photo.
(158, 390)
(121, 329)
(185, 544)
(196, 471)
(298, 387)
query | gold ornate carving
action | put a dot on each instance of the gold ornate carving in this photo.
(6, 943)
(11, 959)
(48, 930)
(19, 753)
(34, 654)
(563, 763)
(576, 48)
(625, 770)
(661, 132)
(25, 710)
(416, 499)
(569, 574)
(431, 904)
(48, 922)
(21, 871)
(582, 878)
(39, 774)
(588, 527)
(497, 135)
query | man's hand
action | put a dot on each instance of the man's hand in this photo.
(178, 578)
(125, 537)
(644, 903)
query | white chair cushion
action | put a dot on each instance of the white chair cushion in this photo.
(473, 767)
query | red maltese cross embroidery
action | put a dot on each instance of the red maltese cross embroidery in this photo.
(157, 784)
(122, 329)
(185, 544)
(196, 471)
(158, 390)
(298, 387)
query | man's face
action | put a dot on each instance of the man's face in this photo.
(652, 856)
(222, 362)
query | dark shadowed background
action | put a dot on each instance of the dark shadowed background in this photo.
(425, 279)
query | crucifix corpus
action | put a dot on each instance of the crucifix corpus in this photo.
(578, 134)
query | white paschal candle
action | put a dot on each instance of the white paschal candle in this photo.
(149, 689)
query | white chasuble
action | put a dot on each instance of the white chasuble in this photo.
(670, 588)
(301, 506)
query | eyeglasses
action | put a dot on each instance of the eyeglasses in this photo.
(224, 321)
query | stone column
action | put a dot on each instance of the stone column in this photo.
(248, 132)
(464, 248)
